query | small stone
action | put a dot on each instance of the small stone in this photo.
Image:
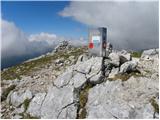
(42, 83)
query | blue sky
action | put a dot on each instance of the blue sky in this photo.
(35, 17)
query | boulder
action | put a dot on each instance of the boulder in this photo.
(115, 59)
(128, 66)
(92, 65)
(18, 97)
(124, 56)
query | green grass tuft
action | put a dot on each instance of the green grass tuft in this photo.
(26, 104)
(155, 105)
(136, 54)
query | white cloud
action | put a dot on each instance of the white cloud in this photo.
(49, 38)
(15, 43)
(131, 25)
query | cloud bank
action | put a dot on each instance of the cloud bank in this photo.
(16, 46)
(131, 25)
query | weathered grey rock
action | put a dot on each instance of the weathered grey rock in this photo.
(19, 110)
(124, 56)
(115, 59)
(34, 108)
(93, 63)
(69, 112)
(62, 46)
(56, 101)
(65, 78)
(129, 99)
(128, 66)
(82, 58)
(96, 78)
(78, 80)
(17, 117)
(149, 52)
(114, 72)
(18, 97)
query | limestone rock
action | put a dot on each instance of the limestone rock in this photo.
(115, 59)
(17, 117)
(128, 66)
(82, 58)
(93, 63)
(96, 78)
(78, 80)
(18, 97)
(113, 73)
(34, 108)
(149, 52)
(117, 99)
(56, 101)
(124, 56)
(65, 78)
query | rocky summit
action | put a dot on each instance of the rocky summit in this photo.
(69, 83)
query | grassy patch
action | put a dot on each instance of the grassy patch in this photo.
(26, 104)
(155, 105)
(136, 54)
(7, 91)
(83, 98)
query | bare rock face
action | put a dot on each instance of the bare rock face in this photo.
(130, 99)
(35, 105)
(62, 98)
(56, 101)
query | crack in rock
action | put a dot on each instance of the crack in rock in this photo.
(64, 108)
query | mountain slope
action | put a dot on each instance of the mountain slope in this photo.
(70, 84)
